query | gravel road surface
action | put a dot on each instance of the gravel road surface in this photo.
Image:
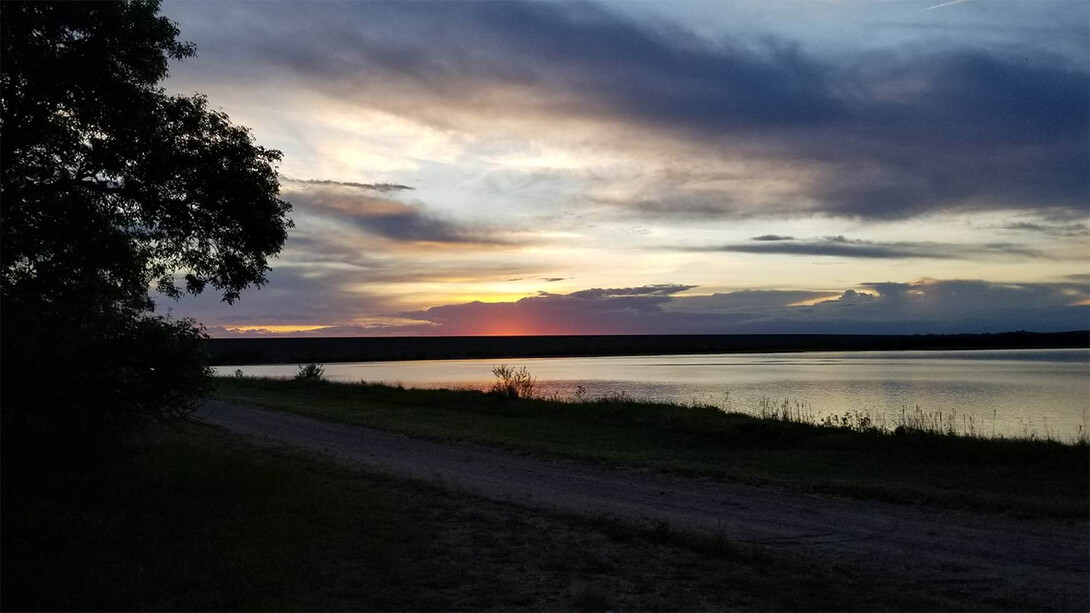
(991, 560)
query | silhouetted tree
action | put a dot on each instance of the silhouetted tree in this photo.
(109, 187)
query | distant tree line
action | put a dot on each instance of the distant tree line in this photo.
(364, 349)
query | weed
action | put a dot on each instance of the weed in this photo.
(513, 382)
(310, 372)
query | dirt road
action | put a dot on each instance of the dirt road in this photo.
(995, 561)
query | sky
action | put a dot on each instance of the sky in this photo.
(823, 166)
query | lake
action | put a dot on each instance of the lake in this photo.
(1027, 392)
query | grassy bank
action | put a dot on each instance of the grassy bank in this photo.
(1024, 477)
(200, 519)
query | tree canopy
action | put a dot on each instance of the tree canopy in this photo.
(110, 187)
(108, 183)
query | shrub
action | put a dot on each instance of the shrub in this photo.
(310, 372)
(68, 397)
(512, 382)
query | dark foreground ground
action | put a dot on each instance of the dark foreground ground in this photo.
(200, 518)
(203, 519)
(964, 559)
(300, 350)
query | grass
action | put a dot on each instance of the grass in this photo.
(915, 420)
(1022, 477)
(197, 520)
(201, 519)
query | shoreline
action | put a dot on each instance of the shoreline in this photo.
(917, 463)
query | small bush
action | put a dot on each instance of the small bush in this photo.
(310, 372)
(238, 373)
(512, 382)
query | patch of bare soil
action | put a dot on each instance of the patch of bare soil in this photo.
(516, 558)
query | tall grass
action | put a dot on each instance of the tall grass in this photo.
(910, 420)
(518, 383)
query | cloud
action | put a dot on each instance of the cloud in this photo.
(943, 4)
(974, 295)
(377, 187)
(575, 124)
(381, 216)
(746, 300)
(1060, 230)
(926, 306)
(953, 306)
(851, 297)
(293, 296)
(887, 134)
(333, 285)
(665, 289)
(615, 310)
(842, 247)
(545, 279)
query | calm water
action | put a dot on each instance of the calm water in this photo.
(1017, 392)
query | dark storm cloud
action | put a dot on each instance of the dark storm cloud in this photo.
(893, 134)
(923, 307)
(842, 247)
(772, 237)
(653, 76)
